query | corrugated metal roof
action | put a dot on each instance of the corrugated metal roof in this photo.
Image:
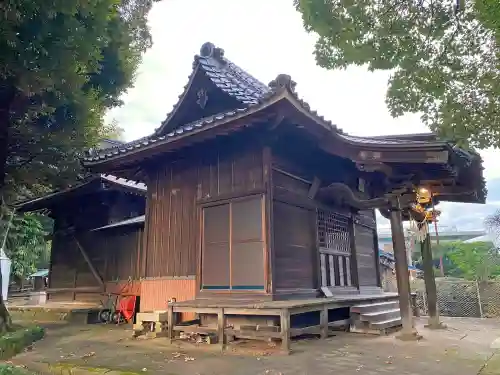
(132, 221)
(128, 184)
(124, 182)
(40, 273)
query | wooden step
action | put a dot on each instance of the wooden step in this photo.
(384, 324)
(374, 307)
(155, 316)
(379, 316)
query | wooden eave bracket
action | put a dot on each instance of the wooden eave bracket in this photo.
(375, 167)
(343, 194)
(313, 190)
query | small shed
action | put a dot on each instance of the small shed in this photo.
(94, 251)
(40, 279)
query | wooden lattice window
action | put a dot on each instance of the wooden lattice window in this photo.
(334, 237)
(333, 231)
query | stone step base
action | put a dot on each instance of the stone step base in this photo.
(375, 318)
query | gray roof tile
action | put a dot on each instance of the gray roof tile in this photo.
(146, 141)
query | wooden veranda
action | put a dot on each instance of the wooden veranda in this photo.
(282, 312)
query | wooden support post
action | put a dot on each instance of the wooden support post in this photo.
(313, 190)
(75, 278)
(221, 325)
(285, 330)
(402, 275)
(91, 266)
(170, 323)
(430, 284)
(323, 318)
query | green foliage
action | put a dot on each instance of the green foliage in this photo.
(115, 131)
(11, 370)
(488, 12)
(476, 261)
(473, 261)
(63, 64)
(12, 343)
(444, 60)
(26, 244)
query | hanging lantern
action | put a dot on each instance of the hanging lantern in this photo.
(424, 195)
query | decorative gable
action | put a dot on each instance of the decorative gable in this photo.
(215, 85)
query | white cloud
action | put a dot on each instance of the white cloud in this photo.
(265, 38)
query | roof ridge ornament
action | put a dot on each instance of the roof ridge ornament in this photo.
(283, 81)
(210, 50)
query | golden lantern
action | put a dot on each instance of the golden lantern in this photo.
(424, 195)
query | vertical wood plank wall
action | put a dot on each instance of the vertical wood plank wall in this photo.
(289, 250)
(173, 215)
(365, 236)
(114, 254)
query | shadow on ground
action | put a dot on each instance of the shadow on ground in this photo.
(463, 349)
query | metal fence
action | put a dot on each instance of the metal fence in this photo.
(462, 298)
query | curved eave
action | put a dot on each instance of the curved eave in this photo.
(362, 149)
(155, 145)
(367, 143)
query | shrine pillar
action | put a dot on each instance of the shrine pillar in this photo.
(430, 283)
(402, 276)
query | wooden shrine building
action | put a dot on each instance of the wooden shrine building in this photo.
(254, 198)
(97, 238)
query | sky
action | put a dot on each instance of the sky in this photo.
(267, 38)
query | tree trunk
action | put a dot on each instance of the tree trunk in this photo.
(6, 97)
(4, 145)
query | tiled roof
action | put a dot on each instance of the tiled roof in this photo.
(282, 84)
(386, 141)
(151, 139)
(255, 96)
(229, 77)
(226, 75)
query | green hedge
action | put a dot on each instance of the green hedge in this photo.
(14, 342)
